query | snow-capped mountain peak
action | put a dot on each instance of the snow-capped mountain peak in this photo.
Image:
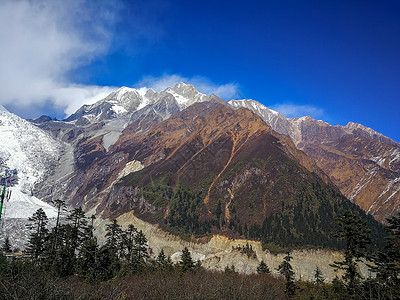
(185, 94)
(274, 119)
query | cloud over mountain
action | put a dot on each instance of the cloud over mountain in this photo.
(43, 41)
(204, 85)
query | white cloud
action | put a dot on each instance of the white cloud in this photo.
(296, 111)
(204, 85)
(44, 40)
(74, 96)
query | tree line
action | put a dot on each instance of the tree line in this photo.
(72, 249)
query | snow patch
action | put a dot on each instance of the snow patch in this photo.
(182, 101)
(119, 109)
(23, 206)
(176, 257)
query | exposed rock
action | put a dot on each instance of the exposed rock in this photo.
(363, 163)
(219, 252)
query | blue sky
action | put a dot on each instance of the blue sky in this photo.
(338, 61)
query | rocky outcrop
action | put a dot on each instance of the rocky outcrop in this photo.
(217, 252)
(362, 163)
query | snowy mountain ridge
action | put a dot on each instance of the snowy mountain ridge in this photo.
(125, 101)
(30, 153)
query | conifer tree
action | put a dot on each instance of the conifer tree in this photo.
(54, 237)
(111, 251)
(139, 252)
(78, 222)
(37, 240)
(64, 256)
(163, 263)
(61, 207)
(285, 268)
(319, 278)
(113, 235)
(87, 260)
(186, 263)
(6, 245)
(128, 240)
(263, 268)
(353, 230)
(387, 263)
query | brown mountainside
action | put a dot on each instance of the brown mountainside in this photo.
(363, 163)
(366, 169)
(212, 169)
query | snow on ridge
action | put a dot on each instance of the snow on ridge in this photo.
(119, 109)
(23, 206)
(122, 91)
(28, 149)
(250, 103)
(31, 152)
(182, 101)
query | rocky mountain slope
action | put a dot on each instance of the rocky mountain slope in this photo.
(105, 121)
(363, 163)
(211, 169)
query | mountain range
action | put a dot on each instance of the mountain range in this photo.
(197, 165)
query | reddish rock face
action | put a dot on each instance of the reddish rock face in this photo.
(362, 163)
(365, 170)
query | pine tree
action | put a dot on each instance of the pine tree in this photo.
(64, 259)
(353, 230)
(319, 278)
(263, 268)
(69, 239)
(87, 260)
(61, 207)
(78, 222)
(139, 252)
(37, 240)
(387, 263)
(163, 263)
(6, 245)
(54, 237)
(114, 236)
(112, 249)
(285, 268)
(128, 240)
(186, 263)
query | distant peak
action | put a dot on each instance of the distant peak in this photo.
(181, 85)
(125, 89)
(252, 103)
(305, 118)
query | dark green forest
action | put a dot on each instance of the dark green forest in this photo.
(67, 262)
(297, 210)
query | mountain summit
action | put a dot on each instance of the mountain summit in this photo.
(125, 101)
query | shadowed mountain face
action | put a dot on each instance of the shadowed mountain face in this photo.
(212, 169)
(365, 169)
(362, 163)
